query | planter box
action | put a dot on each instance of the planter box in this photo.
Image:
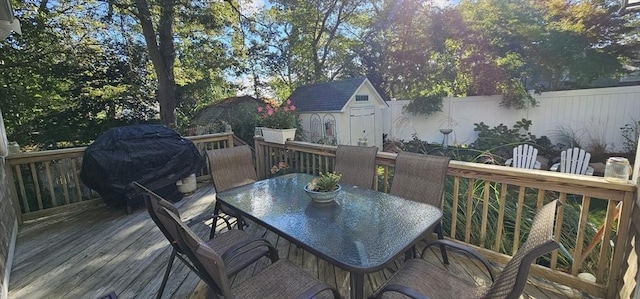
(279, 136)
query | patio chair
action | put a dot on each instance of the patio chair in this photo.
(574, 160)
(524, 156)
(239, 248)
(421, 178)
(419, 279)
(280, 280)
(229, 168)
(357, 164)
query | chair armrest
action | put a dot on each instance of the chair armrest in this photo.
(402, 289)
(199, 219)
(466, 249)
(245, 246)
(508, 162)
(589, 171)
(555, 167)
(537, 165)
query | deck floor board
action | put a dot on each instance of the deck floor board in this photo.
(90, 253)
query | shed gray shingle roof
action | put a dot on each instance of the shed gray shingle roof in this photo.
(328, 96)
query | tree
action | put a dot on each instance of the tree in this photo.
(64, 80)
(407, 53)
(156, 19)
(318, 36)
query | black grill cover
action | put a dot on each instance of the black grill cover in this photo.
(152, 155)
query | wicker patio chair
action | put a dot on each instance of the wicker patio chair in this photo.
(357, 164)
(239, 248)
(419, 279)
(280, 280)
(524, 156)
(421, 178)
(229, 168)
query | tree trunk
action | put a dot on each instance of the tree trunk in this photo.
(162, 54)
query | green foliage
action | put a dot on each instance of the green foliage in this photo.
(501, 135)
(630, 135)
(568, 235)
(60, 90)
(426, 105)
(243, 120)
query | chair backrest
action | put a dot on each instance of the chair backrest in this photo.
(154, 202)
(524, 156)
(574, 160)
(357, 164)
(511, 281)
(210, 266)
(231, 167)
(420, 177)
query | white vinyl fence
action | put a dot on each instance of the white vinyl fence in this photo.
(592, 115)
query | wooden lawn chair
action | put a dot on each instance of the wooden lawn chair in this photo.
(574, 160)
(524, 156)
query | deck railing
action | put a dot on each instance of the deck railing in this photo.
(490, 207)
(487, 206)
(48, 182)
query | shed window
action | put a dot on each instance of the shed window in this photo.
(362, 98)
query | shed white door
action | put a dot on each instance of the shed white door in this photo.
(362, 122)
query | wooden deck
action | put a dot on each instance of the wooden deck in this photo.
(87, 254)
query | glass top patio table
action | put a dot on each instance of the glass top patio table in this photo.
(360, 232)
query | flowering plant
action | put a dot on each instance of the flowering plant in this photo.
(281, 168)
(277, 116)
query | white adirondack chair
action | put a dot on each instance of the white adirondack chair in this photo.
(574, 160)
(524, 156)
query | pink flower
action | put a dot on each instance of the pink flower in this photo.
(270, 112)
(292, 108)
(260, 109)
(286, 109)
(288, 102)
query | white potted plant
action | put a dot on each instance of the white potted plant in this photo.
(278, 121)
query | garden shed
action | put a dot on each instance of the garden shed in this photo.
(340, 112)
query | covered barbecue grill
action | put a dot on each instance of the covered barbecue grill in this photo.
(153, 155)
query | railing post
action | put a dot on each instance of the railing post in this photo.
(260, 158)
(12, 191)
(230, 139)
(620, 249)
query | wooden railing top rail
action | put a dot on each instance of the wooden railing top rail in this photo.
(41, 156)
(563, 182)
(569, 183)
(48, 155)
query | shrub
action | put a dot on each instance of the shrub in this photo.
(630, 136)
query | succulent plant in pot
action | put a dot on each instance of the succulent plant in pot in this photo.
(327, 181)
(324, 188)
